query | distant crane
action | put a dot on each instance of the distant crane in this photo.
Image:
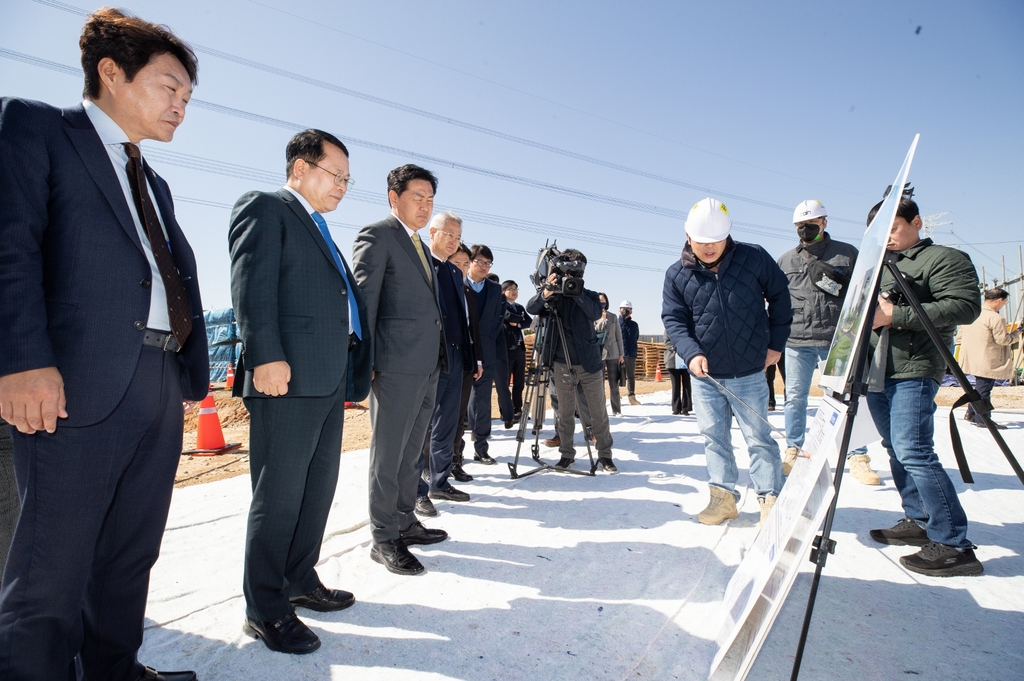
(931, 222)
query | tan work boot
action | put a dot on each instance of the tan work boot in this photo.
(860, 468)
(766, 502)
(722, 507)
(633, 400)
(788, 459)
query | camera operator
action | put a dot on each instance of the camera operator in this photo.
(577, 314)
(945, 282)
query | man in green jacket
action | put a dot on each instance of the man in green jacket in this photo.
(945, 282)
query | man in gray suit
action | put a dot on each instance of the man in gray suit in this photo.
(392, 270)
(305, 352)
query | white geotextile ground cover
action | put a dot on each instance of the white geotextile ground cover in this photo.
(558, 576)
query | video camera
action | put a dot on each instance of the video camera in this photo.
(569, 273)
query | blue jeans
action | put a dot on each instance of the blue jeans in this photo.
(715, 409)
(904, 414)
(800, 365)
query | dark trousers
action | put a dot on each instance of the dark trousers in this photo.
(479, 412)
(682, 398)
(10, 504)
(611, 371)
(443, 424)
(400, 409)
(460, 427)
(630, 367)
(501, 380)
(95, 506)
(984, 387)
(294, 454)
(769, 375)
(517, 367)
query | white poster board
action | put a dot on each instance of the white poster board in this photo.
(851, 331)
(763, 579)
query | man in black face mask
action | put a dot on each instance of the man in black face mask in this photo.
(819, 271)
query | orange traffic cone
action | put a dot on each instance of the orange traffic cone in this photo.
(209, 436)
(231, 375)
(657, 374)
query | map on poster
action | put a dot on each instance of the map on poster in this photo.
(763, 579)
(853, 324)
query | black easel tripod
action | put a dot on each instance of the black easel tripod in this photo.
(823, 543)
(537, 387)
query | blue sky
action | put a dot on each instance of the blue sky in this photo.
(595, 123)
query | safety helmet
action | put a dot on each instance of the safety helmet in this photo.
(708, 221)
(808, 210)
(626, 304)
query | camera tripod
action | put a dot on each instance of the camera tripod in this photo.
(549, 331)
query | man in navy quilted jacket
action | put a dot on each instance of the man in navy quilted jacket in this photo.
(714, 313)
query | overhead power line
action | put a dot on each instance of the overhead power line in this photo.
(324, 85)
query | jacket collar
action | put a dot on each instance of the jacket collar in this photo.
(912, 252)
(690, 260)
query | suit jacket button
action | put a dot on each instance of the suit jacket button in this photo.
(145, 283)
(139, 325)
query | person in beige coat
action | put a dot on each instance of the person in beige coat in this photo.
(985, 349)
(609, 334)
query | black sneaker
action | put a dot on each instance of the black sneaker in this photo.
(484, 459)
(939, 560)
(565, 463)
(425, 507)
(607, 465)
(449, 493)
(904, 533)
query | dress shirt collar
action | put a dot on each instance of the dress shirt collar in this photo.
(305, 204)
(408, 229)
(477, 286)
(109, 131)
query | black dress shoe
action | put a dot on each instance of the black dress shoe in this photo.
(565, 463)
(394, 555)
(425, 507)
(418, 534)
(287, 635)
(460, 475)
(323, 599)
(484, 459)
(153, 675)
(449, 493)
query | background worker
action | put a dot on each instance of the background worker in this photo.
(630, 336)
(985, 351)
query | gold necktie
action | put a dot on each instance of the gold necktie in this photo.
(423, 256)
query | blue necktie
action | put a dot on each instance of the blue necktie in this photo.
(353, 311)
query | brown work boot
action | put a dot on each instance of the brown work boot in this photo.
(722, 507)
(860, 468)
(633, 400)
(553, 442)
(766, 502)
(788, 459)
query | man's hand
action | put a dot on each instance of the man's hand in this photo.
(553, 280)
(699, 366)
(272, 378)
(187, 406)
(479, 371)
(772, 358)
(883, 313)
(33, 400)
(622, 359)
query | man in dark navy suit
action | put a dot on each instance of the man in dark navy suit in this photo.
(305, 352)
(491, 308)
(103, 342)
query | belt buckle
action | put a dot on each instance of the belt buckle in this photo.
(167, 341)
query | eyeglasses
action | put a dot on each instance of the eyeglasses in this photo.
(486, 264)
(451, 236)
(339, 179)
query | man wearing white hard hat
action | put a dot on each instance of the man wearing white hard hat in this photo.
(818, 270)
(630, 335)
(714, 312)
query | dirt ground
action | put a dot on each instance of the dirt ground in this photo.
(234, 419)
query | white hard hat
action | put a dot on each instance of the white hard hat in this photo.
(626, 303)
(708, 221)
(808, 210)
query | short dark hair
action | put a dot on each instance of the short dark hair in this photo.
(507, 284)
(309, 146)
(132, 43)
(908, 210)
(480, 249)
(494, 277)
(996, 294)
(463, 248)
(399, 178)
(573, 254)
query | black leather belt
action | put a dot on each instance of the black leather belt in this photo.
(160, 339)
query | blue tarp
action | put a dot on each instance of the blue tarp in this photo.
(222, 337)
